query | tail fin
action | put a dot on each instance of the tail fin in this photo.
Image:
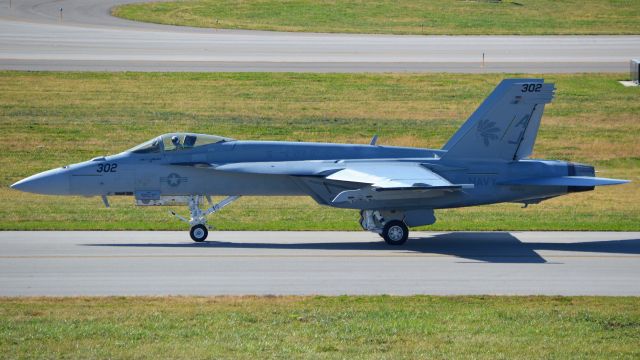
(505, 125)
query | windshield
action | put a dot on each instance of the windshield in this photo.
(151, 146)
(181, 141)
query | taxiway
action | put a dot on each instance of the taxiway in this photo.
(35, 36)
(327, 263)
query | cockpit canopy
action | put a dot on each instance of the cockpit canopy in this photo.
(177, 142)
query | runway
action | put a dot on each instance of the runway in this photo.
(35, 36)
(326, 263)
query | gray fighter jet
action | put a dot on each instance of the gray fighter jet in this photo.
(394, 188)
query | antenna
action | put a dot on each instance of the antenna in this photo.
(374, 139)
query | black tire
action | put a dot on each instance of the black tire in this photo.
(199, 233)
(395, 232)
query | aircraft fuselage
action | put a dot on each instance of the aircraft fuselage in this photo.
(190, 172)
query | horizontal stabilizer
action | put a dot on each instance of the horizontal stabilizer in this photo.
(586, 181)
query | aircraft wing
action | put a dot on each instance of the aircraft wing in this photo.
(357, 181)
(381, 174)
(390, 181)
(389, 174)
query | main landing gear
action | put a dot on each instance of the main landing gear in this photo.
(198, 220)
(394, 232)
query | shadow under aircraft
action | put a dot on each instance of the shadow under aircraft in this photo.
(491, 247)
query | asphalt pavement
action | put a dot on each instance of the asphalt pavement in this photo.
(35, 36)
(327, 263)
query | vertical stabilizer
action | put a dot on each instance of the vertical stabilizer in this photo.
(505, 125)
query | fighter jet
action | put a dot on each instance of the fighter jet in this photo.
(394, 188)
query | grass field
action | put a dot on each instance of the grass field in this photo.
(52, 119)
(479, 327)
(431, 17)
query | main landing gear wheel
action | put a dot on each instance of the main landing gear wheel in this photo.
(198, 233)
(395, 232)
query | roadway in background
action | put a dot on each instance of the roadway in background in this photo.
(33, 36)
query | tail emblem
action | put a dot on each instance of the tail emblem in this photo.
(488, 130)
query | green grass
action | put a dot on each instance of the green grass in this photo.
(431, 17)
(49, 119)
(475, 327)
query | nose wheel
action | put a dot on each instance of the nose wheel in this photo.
(198, 233)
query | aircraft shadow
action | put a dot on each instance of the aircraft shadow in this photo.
(492, 247)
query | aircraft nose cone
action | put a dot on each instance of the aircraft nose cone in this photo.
(52, 182)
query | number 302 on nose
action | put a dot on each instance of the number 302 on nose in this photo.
(104, 168)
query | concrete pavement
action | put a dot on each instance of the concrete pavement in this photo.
(33, 37)
(328, 263)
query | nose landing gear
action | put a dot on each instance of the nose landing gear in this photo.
(198, 233)
(198, 220)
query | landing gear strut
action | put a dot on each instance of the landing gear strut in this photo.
(198, 220)
(394, 232)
